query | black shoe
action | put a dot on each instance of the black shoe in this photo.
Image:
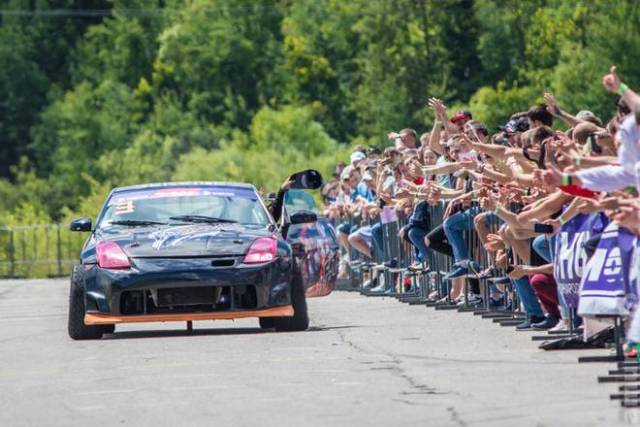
(548, 323)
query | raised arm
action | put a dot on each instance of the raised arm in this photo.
(553, 108)
(434, 139)
(613, 84)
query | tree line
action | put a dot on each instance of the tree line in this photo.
(99, 93)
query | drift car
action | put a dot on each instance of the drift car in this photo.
(197, 251)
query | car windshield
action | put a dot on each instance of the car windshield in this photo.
(184, 204)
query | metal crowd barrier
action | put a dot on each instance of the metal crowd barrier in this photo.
(33, 251)
(416, 286)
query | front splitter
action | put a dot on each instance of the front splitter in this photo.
(109, 319)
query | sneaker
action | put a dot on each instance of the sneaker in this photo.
(416, 266)
(378, 289)
(474, 268)
(488, 272)
(370, 284)
(527, 324)
(562, 326)
(548, 323)
(472, 299)
(445, 301)
(457, 272)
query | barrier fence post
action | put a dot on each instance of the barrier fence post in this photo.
(59, 249)
(12, 254)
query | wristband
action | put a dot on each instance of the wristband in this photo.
(576, 161)
(629, 189)
(497, 210)
(622, 88)
(561, 220)
(566, 179)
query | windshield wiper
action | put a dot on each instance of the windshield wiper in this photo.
(135, 222)
(201, 218)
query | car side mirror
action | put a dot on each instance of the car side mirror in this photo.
(80, 224)
(309, 179)
(303, 217)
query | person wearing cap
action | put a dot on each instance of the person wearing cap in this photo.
(582, 116)
(357, 157)
(517, 123)
(460, 119)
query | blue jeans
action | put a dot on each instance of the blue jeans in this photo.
(454, 228)
(528, 297)
(346, 228)
(416, 236)
(542, 246)
(378, 241)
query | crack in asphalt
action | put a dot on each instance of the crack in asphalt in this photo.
(416, 388)
(455, 417)
(413, 383)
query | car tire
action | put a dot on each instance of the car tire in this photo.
(300, 319)
(267, 323)
(75, 326)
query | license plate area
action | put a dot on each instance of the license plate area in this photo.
(185, 296)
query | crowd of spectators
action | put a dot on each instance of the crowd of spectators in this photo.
(541, 196)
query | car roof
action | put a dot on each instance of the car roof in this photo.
(184, 184)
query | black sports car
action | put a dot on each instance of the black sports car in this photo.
(197, 251)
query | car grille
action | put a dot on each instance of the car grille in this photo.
(188, 299)
(188, 296)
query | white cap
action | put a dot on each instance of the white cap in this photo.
(356, 156)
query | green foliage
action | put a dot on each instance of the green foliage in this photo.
(251, 91)
(279, 143)
(494, 106)
(235, 45)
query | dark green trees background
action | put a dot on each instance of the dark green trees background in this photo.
(95, 94)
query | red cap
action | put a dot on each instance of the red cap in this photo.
(460, 115)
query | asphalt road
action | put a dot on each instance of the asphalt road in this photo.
(365, 362)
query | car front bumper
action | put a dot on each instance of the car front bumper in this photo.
(186, 289)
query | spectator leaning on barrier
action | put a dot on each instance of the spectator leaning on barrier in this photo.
(535, 199)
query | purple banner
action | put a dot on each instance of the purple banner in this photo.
(570, 257)
(605, 287)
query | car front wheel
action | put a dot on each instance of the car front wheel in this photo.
(76, 327)
(300, 319)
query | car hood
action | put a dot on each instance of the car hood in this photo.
(191, 240)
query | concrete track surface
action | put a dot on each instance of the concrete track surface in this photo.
(364, 362)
